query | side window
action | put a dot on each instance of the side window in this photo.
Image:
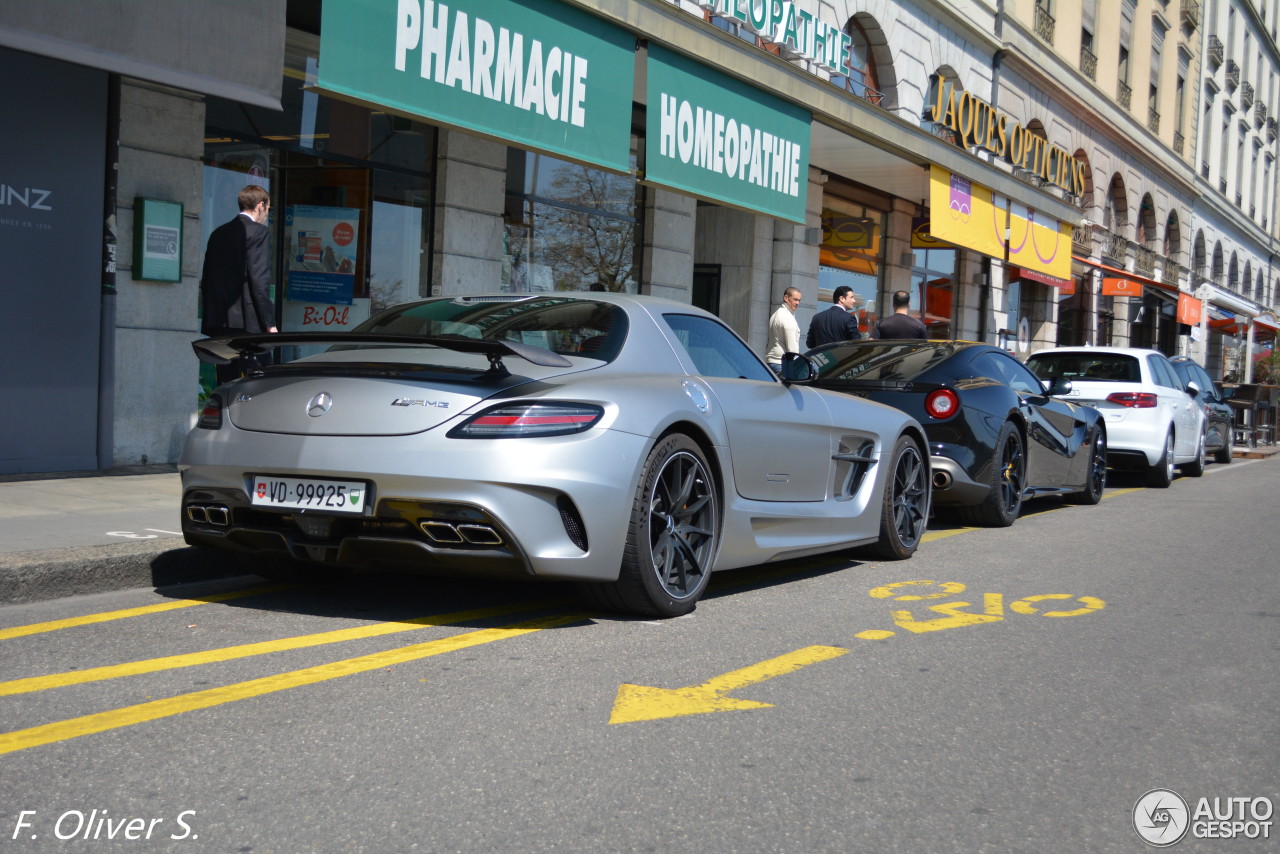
(714, 350)
(1010, 372)
(1163, 373)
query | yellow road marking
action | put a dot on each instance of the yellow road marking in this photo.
(70, 622)
(1112, 493)
(156, 709)
(644, 703)
(930, 536)
(191, 659)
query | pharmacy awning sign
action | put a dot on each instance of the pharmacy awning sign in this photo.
(713, 136)
(537, 73)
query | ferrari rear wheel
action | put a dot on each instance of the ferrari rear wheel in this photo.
(1097, 482)
(672, 538)
(904, 513)
(1008, 478)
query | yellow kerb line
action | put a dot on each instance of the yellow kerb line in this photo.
(106, 616)
(156, 709)
(192, 659)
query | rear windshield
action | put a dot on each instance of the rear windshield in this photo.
(1092, 367)
(886, 361)
(573, 327)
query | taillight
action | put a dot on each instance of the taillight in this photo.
(527, 420)
(1134, 399)
(211, 413)
(942, 403)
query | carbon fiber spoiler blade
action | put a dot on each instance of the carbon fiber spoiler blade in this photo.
(224, 350)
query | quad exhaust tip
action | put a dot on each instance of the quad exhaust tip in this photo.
(209, 514)
(451, 533)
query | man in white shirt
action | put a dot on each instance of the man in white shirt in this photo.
(784, 332)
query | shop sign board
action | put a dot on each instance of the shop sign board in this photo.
(1117, 287)
(1190, 309)
(978, 124)
(716, 137)
(541, 75)
(798, 31)
(973, 216)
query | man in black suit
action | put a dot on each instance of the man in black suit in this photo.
(236, 284)
(836, 323)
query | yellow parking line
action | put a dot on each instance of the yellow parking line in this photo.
(1112, 493)
(191, 659)
(156, 709)
(930, 536)
(70, 622)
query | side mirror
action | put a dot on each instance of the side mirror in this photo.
(798, 368)
(1057, 386)
(1193, 389)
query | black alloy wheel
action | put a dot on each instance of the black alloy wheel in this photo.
(672, 538)
(1009, 475)
(904, 512)
(1097, 474)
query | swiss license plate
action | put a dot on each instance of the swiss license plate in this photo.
(295, 493)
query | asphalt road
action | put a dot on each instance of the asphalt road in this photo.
(827, 705)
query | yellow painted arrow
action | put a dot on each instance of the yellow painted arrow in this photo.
(642, 703)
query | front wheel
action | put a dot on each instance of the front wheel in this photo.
(904, 512)
(1223, 454)
(672, 538)
(1008, 478)
(1097, 475)
(1160, 475)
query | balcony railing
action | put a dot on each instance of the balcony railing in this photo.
(1115, 247)
(1144, 261)
(1124, 94)
(1246, 96)
(1190, 14)
(1179, 142)
(1153, 120)
(1215, 51)
(1044, 24)
(1259, 114)
(1082, 238)
(859, 88)
(1088, 63)
(1233, 74)
(1271, 130)
(1169, 275)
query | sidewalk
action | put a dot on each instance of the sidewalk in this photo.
(65, 534)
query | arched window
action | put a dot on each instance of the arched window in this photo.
(1173, 238)
(1233, 274)
(871, 75)
(1219, 265)
(1146, 234)
(1200, 259)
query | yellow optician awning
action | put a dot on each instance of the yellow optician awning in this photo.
(972, 216)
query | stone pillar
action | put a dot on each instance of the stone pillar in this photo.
(156, 374)
(467, 219)
(898, 257)
(667, 243)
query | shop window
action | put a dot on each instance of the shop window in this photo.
(568, 227)
(851, 254)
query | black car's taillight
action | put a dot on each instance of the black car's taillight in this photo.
(529, 420)
(211, 413)
(942, 403)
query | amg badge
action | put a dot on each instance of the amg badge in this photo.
(406, 401)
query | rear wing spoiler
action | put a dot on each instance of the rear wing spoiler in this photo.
(225, 350)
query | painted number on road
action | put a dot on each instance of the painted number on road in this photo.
(958, 614)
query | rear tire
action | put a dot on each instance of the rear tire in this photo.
(904, 512)
(1196, 468)
(1097, 482)
(672, 538)
(1160, 475)
(1008, 478)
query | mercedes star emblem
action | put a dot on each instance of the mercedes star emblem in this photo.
(319, 405)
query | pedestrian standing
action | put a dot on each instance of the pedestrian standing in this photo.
(784, 332)
(236, 282)
(836, 323)
(900, 324)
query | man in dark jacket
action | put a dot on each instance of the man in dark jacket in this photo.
(900, 324)
(836, 323)
(236, 284)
